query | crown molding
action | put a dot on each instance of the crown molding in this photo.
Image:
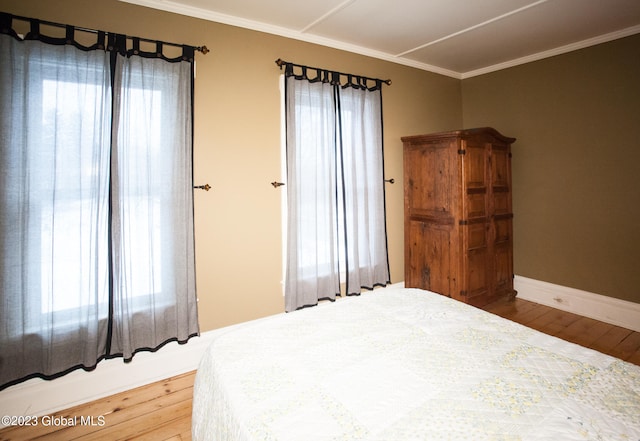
(553, 52)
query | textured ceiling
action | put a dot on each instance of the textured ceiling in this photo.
(459, 38)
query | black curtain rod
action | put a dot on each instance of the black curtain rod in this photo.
(282, 63)
(202, 49)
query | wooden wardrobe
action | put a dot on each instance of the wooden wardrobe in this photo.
(457, 214)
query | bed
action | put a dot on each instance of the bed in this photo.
(406, 364)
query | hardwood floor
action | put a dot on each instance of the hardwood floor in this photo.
(609, 339)
(159, 411)
(162, 411)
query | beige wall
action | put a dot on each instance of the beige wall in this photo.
(237, 142)
(576, 117)
(575, 164)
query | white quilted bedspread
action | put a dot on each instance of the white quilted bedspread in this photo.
(405, 364)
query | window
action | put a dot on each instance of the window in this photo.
(316, 258)
(63, 189)
(336, 230)
(96, 204)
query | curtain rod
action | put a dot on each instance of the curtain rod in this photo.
(202, 49)
(281, 63)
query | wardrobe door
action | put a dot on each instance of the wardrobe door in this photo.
(474, 224)
(502, 219)
(431, 203)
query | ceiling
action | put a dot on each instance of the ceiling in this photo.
(458, 38)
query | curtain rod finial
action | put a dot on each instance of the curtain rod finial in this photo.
(279, 62)
(205, 50)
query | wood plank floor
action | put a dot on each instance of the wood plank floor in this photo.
(609, 339)
(162, 411)
(159, 411)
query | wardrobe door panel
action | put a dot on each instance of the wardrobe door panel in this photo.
(428, 257)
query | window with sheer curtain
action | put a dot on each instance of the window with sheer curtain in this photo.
(96, 205)
(336, 226)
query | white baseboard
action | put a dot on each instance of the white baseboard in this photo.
(605, 309)
(38, 397)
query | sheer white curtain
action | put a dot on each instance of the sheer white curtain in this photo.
(154, 297)
(363, 178)
(55, 108)
(96, 209)
(312, 230)
(336, 229)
